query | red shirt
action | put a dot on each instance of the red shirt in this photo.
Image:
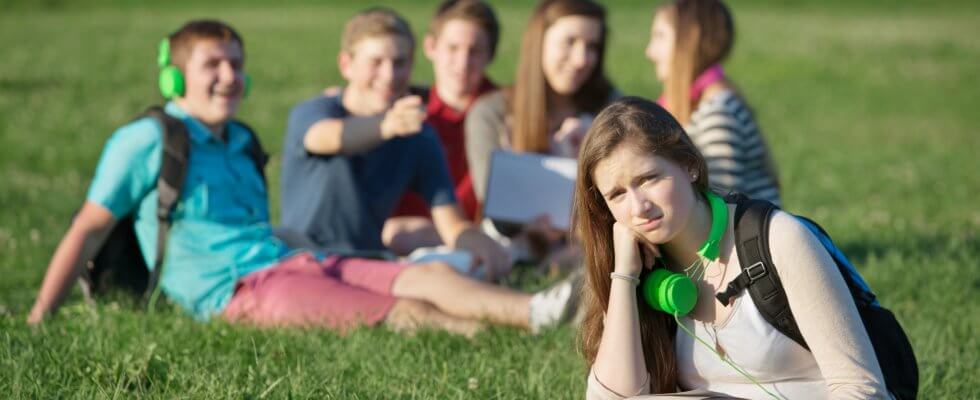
(449, 124)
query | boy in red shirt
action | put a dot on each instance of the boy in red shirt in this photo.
(461, 42)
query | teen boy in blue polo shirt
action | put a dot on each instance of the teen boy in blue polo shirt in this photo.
(348, 158)
(221, 256)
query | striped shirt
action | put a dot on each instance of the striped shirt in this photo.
(724, 130)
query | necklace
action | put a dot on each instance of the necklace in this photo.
(719, 271)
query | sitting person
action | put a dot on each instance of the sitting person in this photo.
(642, 192)
(688, 41)
(347, 159)
(560, 85)
(460, 43)
(222, 259)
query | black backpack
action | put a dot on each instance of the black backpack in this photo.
(891, 345)
(119, 264)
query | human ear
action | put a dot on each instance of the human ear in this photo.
(693, 174)
(429, 46)
(344, 64)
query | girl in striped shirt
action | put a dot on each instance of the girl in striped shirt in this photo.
(688, 41)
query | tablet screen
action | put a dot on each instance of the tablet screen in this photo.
(523, 186)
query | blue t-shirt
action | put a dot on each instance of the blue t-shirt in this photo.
(220, 230)
(342, 201)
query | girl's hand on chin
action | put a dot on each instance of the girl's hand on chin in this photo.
(632, 253)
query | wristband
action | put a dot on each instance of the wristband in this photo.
(629, 278)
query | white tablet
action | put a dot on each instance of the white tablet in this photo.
(523, 186)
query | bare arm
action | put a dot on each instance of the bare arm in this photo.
(619, 365)
(449, 222)
(355, 135)
(830, 324)
(88, 231)
(455, 230)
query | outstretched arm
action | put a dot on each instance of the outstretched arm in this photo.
(355, 135)
(88, 231)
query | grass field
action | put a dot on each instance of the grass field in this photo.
(870, 109)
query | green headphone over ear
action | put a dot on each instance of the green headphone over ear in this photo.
(675, 293)
(171, 80)
(670, 292)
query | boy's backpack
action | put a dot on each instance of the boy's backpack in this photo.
(892, 348)
(119, 264)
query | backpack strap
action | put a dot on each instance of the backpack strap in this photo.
(255, 150)
(173, 173)
(862, 294)
(753, 265)
(759, 276)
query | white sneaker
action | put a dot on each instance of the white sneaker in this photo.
(552, 306)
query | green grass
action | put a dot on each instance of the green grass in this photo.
(870, 111)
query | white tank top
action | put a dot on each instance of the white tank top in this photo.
(781, 365)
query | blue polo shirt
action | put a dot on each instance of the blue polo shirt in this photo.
(220, 230)
(341, 202)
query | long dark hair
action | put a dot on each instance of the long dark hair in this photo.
(529, 95)
(647, 127)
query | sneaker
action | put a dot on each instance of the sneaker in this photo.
(553, 306)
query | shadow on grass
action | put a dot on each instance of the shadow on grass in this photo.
(28, 84)
(946, 245)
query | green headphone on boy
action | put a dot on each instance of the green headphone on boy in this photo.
(675, 293)
(171, 80)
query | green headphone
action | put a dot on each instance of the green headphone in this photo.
(675, 293)
(171, 80)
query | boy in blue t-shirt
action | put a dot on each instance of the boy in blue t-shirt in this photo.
(348, 158)
(221, 257)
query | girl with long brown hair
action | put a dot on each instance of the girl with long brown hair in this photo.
(689, 39)
(560, 85)
(641, 195)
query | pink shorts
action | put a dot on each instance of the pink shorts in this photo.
(302, 291)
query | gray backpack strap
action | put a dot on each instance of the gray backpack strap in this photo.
(255, 150)
(173, 173)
